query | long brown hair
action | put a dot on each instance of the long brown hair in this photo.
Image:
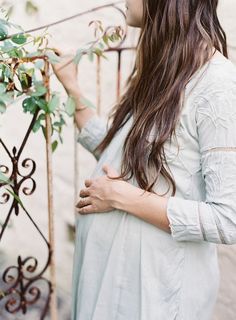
(177, 38)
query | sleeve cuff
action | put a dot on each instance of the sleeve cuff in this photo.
(184, 219)
(92, 133)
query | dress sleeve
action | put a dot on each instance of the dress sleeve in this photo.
(212, 220)
(92, 133)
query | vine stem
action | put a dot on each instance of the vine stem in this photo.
(113, 4)
(53, 300)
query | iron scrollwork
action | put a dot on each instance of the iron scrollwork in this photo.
(23, 278)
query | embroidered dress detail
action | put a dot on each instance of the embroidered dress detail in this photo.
(127, 269)
(220, 149)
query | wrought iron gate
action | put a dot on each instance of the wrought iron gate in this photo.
(22, 282)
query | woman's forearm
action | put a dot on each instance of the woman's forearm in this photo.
(81, 116)
(146, 206)
(67, 73)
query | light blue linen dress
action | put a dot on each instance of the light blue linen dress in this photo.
(127, 269)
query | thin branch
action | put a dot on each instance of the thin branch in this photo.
(113, 4)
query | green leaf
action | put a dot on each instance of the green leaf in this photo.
(53, 103)
(87, 102)
(52, 57)
(41, 117)
(44, 131)
(4, 22)
(16, 53)
(30, 72)
(42, 104)
(99, 52)
(101, 46)
(78, 56)
(54, 145)
(19, 38)
(3, 88)
(6, 72)
(57, 124)
(36, 125)
(60, 138)
(70, 106)
(11, 25)
(105, 39)
(29, 105)
(3, 32)
(25, 80)
(5, 179)
(91, 55)
(3, 107)
(7, 46)
(16, 197)
(39, 64)
(33, 54)
(40, 90)
(7, 97)
(30, 7)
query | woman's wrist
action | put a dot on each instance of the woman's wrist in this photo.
(124, 195)
(81, 108)
(73, 91)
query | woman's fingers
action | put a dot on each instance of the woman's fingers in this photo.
(66, 70)
(86, 210)
(58, 51)
(87, 182)
(61, 52)
(84, 193)
(66, 57)
(83, 202)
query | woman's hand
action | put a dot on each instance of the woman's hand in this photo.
(67, 72)
(99, 194)
(104, 194)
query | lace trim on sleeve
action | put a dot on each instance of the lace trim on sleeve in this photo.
(220, 149)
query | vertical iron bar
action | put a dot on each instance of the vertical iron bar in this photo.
(53, 300)
(76, 168)
(118, 84)
(98, 85)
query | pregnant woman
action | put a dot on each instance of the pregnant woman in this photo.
(163, 192)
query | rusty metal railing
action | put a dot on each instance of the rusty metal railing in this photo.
(21, 280)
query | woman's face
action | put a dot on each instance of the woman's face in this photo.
(134, 13)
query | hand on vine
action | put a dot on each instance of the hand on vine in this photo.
(66, 71)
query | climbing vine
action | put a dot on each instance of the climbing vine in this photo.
(22, 66)
(8, 5)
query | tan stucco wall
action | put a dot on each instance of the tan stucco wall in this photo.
(71, 35)
(226, 305)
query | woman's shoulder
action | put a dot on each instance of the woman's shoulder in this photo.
(215, 93)
(218, 76)
(211, 93)
(221, 71)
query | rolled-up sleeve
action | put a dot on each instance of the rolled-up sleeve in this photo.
(92, 133)
(214, 219)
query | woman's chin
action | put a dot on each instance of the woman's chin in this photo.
(131, 23)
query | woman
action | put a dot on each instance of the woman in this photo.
(146, 241)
